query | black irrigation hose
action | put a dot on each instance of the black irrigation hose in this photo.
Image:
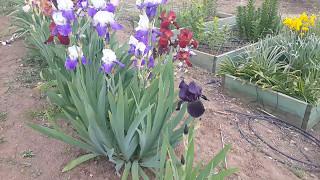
(275, 149)
(269, 155)
(253, 144)
(277, 122)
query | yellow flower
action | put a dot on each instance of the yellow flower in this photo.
(313, 20)
(287, 21)
(304, 17)
(300, 24)
(304, 29)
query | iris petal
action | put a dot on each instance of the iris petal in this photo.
(116, 26)
(195, 108)
(101, 30)
(107, 68)
(70, 64)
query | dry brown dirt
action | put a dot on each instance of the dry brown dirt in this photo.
(50, 155)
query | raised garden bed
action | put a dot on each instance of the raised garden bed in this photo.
(211, 62)
(224, 19)
(209, 59)
(296, 112)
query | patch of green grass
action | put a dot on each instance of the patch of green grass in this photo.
(3, 116)
(28, 154)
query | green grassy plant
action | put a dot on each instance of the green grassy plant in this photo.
(193, 18)
(287, 63)
(215, 36)
(174, 168)
(121, 116)
(255, 24)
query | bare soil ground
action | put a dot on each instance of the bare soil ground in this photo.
(287, 7)
(20, 105)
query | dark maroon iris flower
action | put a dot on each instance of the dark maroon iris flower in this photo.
(191, 93)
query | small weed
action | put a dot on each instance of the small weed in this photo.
(298, 172)
(44, 114)
(40, 115)
(28, 154)
(2, 140)
(29, 76)
(3, 116)
(46, 86)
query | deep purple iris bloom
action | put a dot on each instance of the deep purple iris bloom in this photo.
(191, 93)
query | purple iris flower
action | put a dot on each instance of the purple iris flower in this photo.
(107, 67)
(132, 49)
(142, 36)
(155, 34)
(84, 60)
(101, 30)
(110, 7)
(151, 62)
(109, 60)
(102, 19)
(62, 24)
(91, 11)
(83, 4)
(151, 6)
(151, 10)
(66, 7)
(191, 93)
(64, 30)
(69, 15)
(71, 64)
(101, 5)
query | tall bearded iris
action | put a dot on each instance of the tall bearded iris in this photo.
(83, 4)
(140, 46)
(63, 27)
(150, 6)
(109, 60)
(101, 5)
(101, 20)
(66, 7)
(74, 54)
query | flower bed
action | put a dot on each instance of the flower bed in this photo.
(211, 62)
(230, 36)
(281, 72)
(294, 111)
